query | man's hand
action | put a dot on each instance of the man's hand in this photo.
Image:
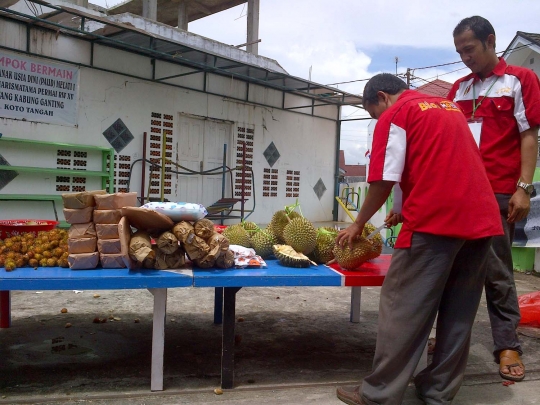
(347, 235)
(519, 206)
(393, 219)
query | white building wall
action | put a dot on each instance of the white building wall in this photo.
(524, 53)
(306, 144)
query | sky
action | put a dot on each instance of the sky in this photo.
(352, 40)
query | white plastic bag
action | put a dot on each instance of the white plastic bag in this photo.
(179, 211)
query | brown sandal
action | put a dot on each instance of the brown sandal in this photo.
(431, 345)
(508, 359)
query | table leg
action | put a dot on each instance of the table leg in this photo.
(158, 337)
(227, 338)
(5, 309)
(218, 305)
(356, 295)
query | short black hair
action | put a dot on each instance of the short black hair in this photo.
(386, 82)
(481, 28)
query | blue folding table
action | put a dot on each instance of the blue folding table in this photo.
(57, 278)
(228, 282)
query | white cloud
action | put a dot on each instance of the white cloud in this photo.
(335, 38)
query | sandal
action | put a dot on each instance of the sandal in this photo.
(509, 359)
(431, 345)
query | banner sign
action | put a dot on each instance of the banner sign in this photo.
(34, 90)
(527, 232)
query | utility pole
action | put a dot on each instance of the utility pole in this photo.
(397, 60)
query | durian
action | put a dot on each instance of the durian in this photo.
(361, 250)
(262, 242)
(237, 235)
(281, 218)
(250, 227)
(377, 240)
(326, 240)
(301, 235)
(289, 257)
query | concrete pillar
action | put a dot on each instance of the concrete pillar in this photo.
(183, 15)
(253, 26)
(149, 9)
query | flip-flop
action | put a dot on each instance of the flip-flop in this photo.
(510, 358)
(431, 345)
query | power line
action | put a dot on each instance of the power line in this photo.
(453, 63)
(402, 75)
(350, 81)
(447, 73)
(432, 83)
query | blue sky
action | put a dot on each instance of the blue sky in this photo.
(344, 40)
(383, 57)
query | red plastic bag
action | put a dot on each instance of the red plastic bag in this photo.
(529, 305)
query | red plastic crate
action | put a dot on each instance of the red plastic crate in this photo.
(14, 227)
(219, 228)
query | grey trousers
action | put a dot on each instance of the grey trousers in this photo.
(436, 274)
(501, 295)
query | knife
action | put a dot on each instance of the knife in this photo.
(376, 231)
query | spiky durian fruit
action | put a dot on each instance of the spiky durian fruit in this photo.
(250, 227)
(377, 240)
(262, 241)
(279, 221)
(289, 257)
(237, 235)
(362, 250)
(301, 235)
(326, 240)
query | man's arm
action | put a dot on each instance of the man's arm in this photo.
(378, 193)
(520, 203)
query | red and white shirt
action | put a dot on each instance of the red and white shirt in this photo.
(511, 106)
(424, 143)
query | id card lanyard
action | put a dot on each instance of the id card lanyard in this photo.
(475, 124)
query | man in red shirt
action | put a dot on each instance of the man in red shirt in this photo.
(502, 105)
(449, 217)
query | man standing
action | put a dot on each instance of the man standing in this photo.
(502, 105)
(449, 216)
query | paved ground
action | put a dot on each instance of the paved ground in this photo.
(294, 346)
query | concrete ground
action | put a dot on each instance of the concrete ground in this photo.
(294, 346)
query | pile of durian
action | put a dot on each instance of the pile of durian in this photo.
(295, 242)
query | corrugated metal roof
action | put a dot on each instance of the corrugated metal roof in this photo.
(104, 30)
(535, 38)
(167, 10)
(437, 87)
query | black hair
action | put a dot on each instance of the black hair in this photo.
(385, 82)
(481, 28)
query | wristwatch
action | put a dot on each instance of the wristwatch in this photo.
(529, 188)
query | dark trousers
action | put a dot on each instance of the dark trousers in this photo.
(501, 295)
(436, 274)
